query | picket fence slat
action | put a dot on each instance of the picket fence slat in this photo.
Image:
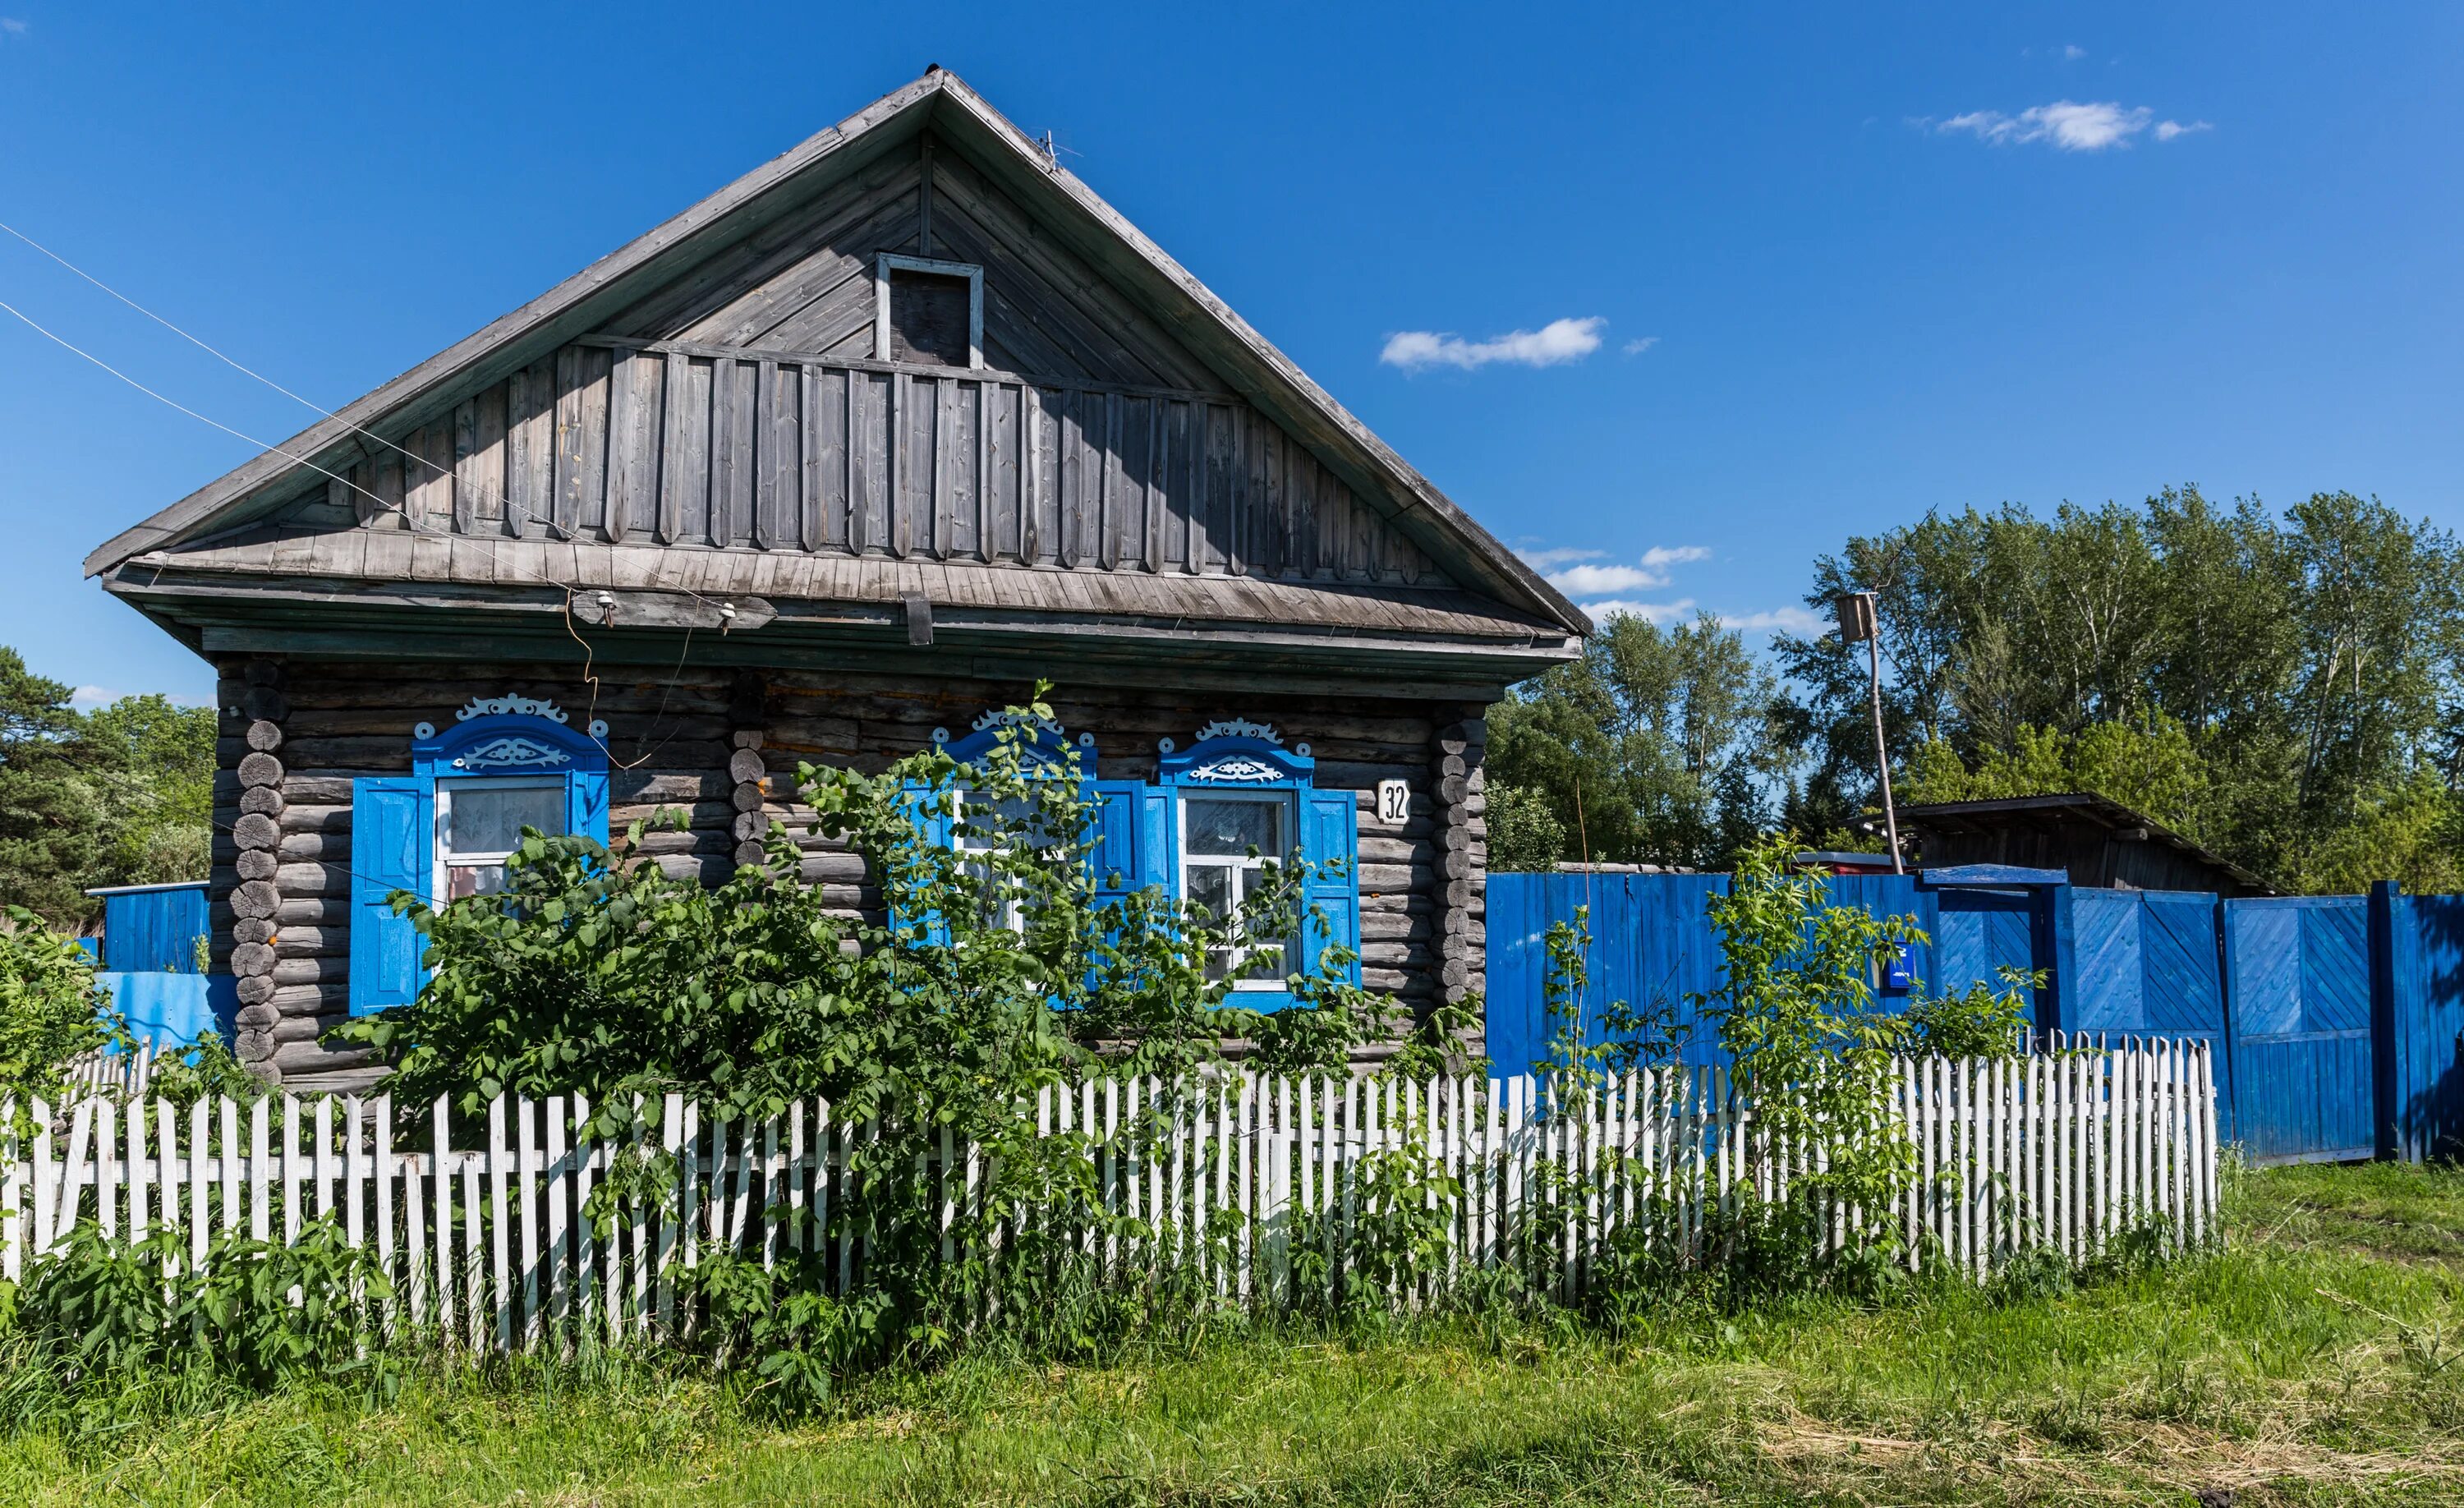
(2065, 1149)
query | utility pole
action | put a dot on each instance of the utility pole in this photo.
(1859, 621)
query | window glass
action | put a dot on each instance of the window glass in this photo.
(1226, 845)
(930, 319)
(986, 825)
(477, 826)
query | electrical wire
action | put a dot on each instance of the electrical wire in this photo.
(416, 525)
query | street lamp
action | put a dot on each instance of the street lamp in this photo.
(1858, 625)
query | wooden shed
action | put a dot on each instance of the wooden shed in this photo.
(833, 462)
(2101, 844)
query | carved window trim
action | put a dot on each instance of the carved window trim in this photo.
(887, 262)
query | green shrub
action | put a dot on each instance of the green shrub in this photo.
(52, 1011)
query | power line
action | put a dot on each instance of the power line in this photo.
(416, 524)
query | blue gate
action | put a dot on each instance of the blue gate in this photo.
(2298, 970)
(2421, 1024)
(2150, 963)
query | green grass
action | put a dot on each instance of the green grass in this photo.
(2314, 1359)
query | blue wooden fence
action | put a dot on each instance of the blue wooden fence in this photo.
(2338, 1021)
(152, 929)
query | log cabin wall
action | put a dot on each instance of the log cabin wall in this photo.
(297, 734)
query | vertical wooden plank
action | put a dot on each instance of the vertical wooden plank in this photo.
(527, 1174)
(353, 1205)
(678, 475)
(773, 477)
(816, 460)
(561, 1276)
(323, 1157)
(474, 1283)
(441, 1169)
(673, 1216)
(499, 1251)
(295, 1170)
(200, 1175)
(382, 1171)
(259, 1168)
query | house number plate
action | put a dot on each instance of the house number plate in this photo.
(1394, 802)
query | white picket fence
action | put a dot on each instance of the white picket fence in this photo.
(130, 1072)
(487, 1244)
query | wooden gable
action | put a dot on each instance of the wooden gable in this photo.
(709, 412)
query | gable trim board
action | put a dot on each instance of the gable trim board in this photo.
(1077, 219)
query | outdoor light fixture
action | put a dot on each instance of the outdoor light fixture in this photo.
(1859, 624)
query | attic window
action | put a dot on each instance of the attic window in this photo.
(928, 312)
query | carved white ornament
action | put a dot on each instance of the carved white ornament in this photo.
(1237, 770)
(528, 706)
(1003, 717)
(1236, 728)
(511, 752)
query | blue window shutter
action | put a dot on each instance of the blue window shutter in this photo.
(1156, 839)
(392, 848)
(1118, 855)
(586, 803)
(939, 830)
(1329, 832)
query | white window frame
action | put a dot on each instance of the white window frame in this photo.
(447, 786)
(1244, 869)
(887, 262)
(970, 846)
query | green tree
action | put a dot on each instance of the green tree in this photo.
(2271, 684)
(1657, 747)
(51, 810)
(155, 775)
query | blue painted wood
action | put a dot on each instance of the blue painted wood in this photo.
(2002, 874)
(2423, 1071)
(2149, 963)
(1652, 946)
(153, 930)
(2298, 973)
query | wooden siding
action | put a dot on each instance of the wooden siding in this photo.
(672, 739)
(713, 448)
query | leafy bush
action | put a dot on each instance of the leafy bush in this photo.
(52, 1011)
(1815, 1055)
(1979, 1022)
(101, 1308)
(997, 967)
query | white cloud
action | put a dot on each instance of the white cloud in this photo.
(1779, 620)
(1550, 559)
(1652, 570)
(1639, 346)
(2066, 126)
(1552, 344)
(2072, 52)
(1648, 612)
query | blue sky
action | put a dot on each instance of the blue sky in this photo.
(1674, 299)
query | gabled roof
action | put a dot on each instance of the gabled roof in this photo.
(1253, 367)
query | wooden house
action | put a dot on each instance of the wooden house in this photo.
(830, 464)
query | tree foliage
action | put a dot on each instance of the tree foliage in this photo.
(1659, 746)
(2283, 687)
(119, 795)
(51, 1010)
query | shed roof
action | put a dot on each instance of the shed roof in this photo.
(2001, 814)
